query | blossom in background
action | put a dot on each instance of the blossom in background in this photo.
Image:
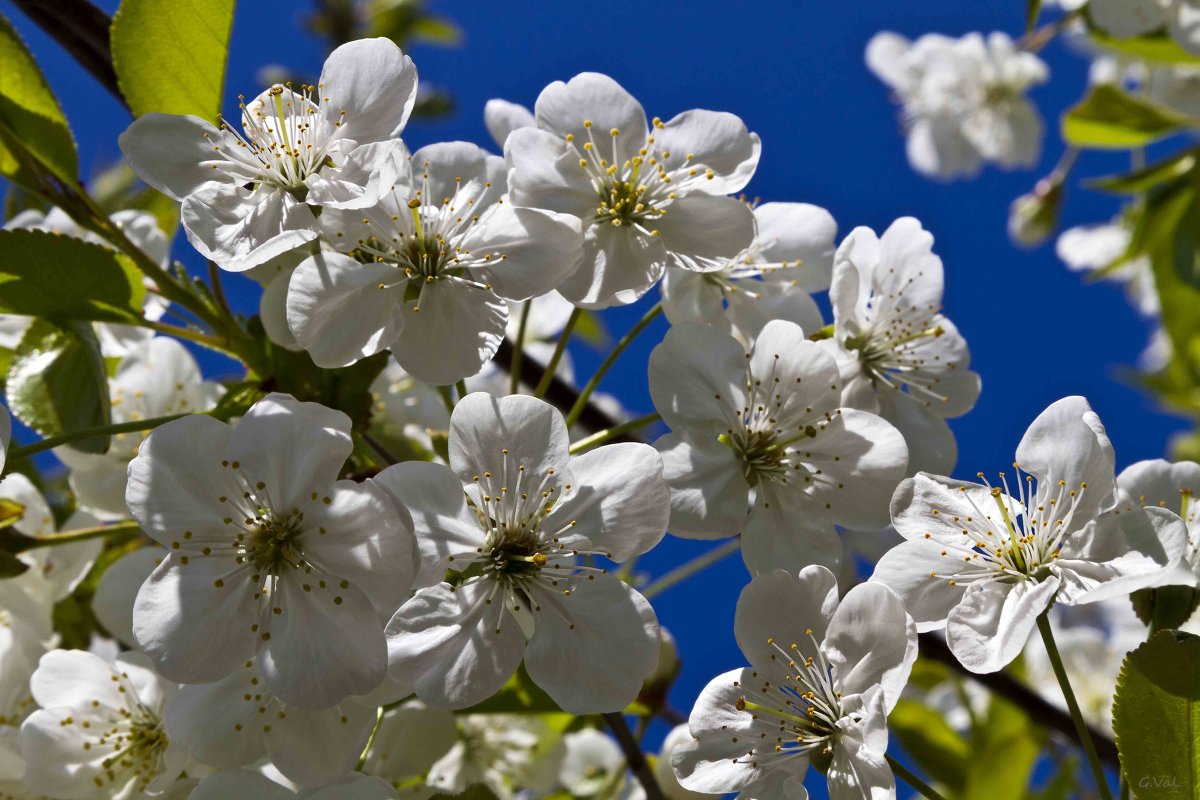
(247, 196)
(98, 734)
(1157, 483)
(649, 195)
(963, 100)
(237, 721)
(141, 228)
(429, 268)
(1124, 19)
(900, 357)
(1095, 248)
(507, 753)
(984, 562)
(156, 378)
(268, 553)
(790, 257)
(591, 763)
(823, 677)
(512, 516)
(761, 445)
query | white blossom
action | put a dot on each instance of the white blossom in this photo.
(156, 378)
(248, 197)
(963, 100)
(99, 731)
(247, 785)
(985, 561)
(512, 515)
(1096, 248)
(507, 753)
(238, 720)
(761, 445)
(900, 356)
(650, 195)
(591, 763)
(823, 677)
(268, 553)
(791, 256)
(429, 268)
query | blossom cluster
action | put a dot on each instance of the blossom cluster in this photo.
(292, 625)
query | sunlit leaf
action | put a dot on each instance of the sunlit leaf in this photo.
(1108, 118)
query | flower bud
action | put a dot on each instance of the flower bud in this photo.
(1033, 217)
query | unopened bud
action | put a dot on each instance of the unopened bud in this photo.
(1033, 217)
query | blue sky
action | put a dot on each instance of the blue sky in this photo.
(794, 72)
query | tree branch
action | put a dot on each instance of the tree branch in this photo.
(634, 755)
(82, 30)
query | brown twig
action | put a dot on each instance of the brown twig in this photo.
(634, 755)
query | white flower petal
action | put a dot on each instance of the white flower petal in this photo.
(783, 606)
(457, 330)
(172, 153)
(534, 250)
(705, 232)
(113, 601)
(906, 568)
(1067, 442)
(337, 311)
(593, 648)
(590, 107)
(501, 434)
(696, 378)
(374, 83)
(361, 177)
(716, 140)
(544, 173)
(240, 229)
(620, 264)
(709, 494)
(991, 624)
(502, 118)
(871, 641)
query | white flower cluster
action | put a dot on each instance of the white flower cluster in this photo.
(298, 629)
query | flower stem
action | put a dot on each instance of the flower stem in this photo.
(614, 354)
(514, 371)
(74, 436)
(634, 755)
(362, 759)
(79, 535)
(559, 349)
(690, 568)
(600, 437)
(1060, 672)
(910, 777)
(460, 389)
(203, 339)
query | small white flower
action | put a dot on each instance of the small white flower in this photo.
(985, 562)
(429, 268)
(142, 230)
(823, 677)
(761, 445)
(900, 356)
(99, 733)
(1160, 484)
(1097, 247)
(650, 195)
(157, 377)
(238, 720)
(58, 569)
(248, 197)
(963, 100)
(507, 753)
(410, 740)
(591, 763)
(512, 515)
(790, 257)
(268, 553)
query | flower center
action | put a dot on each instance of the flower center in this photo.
(284, 139)
(802, 704)
(273, 541)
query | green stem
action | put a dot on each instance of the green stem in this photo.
(559, 349)
(600, 437)
(514, 371)
(74, 436)
(1081, 728)
(218, 290)
(461, 388)
(909, 777)
(690, 568)
(81, 534)
(211, 342)
(614, 354)
(362, 759)
(447, 400)
(379, 450)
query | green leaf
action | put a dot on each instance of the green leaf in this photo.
(57, 382)
(1108, 118)
(31, 122)
(1143, 180)
(1007, 731)
(59, 277)
(1033, 10)
(936, 747)
(1156, 716)
(1157, 47)
(170, 57)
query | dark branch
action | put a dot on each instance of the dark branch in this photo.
(82, 30)
(634, 755)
